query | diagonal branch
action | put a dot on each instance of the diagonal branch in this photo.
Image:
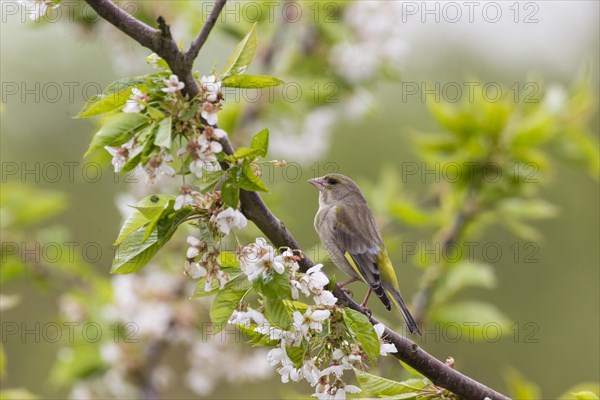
(199, 41)
(256, 210)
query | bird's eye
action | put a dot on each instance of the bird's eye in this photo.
(332, 181)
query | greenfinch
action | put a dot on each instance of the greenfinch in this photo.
(350, 235)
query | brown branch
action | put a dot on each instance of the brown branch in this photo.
(255, 209)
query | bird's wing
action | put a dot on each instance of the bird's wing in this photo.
(358, 236)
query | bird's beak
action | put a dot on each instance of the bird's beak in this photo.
(317, 182)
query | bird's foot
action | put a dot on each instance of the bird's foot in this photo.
(367, 310)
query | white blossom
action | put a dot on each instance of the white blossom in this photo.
(157, 167)
(194, 270)
(210, 87)
(119, 157)
(172, 84)
(325, 298)
(385, 348)
(209, 113)
(135, 102)
(228, 219)
(186, 198)
(246, 317)
(311, 320)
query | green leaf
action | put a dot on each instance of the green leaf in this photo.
(230, 193)
(274, 285)
(584, 391)
(586, 395)
(250, 181)
(157, 62)
(462, 275)
(117, 130)
(276, 313)
(135, 252)
(242, 56)
(209, 180)
(410, 369)
(256, 338)
(296, 354)
(228, 260)
(223, 306)
(246, 152)
(476, 320)
(113, 97)
(22, 204)
(374, 385)
(520, 387)
(251, 81)
(260, 141)
(146, 209)
(361, 328)
(237, 281)
(163, 134)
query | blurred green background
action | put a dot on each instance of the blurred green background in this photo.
(559, 293)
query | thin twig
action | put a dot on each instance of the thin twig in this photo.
(199, 41)
(255, 209)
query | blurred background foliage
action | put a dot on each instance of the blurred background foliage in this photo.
(519, 175)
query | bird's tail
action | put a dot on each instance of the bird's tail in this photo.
(381, 293)
(394, 294)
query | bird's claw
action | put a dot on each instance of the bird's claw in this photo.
(367, 310)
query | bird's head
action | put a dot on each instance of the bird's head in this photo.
(337, 189)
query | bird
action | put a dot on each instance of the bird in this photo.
(350, 235)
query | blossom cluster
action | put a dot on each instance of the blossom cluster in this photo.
(164, 97)
(318, 326)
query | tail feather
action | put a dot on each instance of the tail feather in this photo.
(380, 292)
(413, 327)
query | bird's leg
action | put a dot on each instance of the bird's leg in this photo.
(349, 281)
(363, 305)
(344, 283)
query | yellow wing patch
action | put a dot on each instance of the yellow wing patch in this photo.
(354, 266)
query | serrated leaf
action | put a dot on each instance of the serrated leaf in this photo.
(296, 354)
(113, 97)
(228, 259)
(274, 285)
(146, 209)
(374, 385)
(246, 152)
(225, 302)
(242, 55)
(365, 334)
(117, 130)
(250, 181)
(237, 281)
(163, 133)
(209, 180)
(260, 141)
(276, 313)
(230, 193)
(410, 369)
(256, 338)
(135, 252)
(251, 81)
